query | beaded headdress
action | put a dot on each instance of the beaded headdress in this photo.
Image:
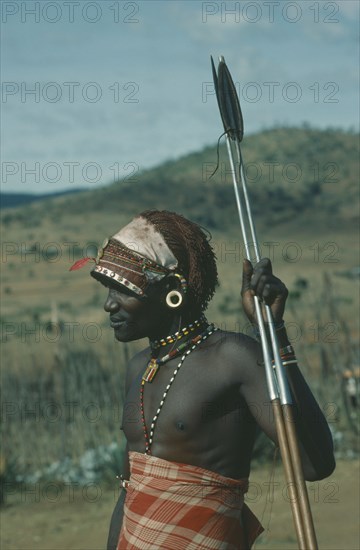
(135, 257)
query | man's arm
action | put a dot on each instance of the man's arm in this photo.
(117, 515)
(314, 436)
(316, 443)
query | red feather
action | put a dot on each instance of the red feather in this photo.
(80, 263)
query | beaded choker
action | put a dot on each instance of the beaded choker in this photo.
(155, 362)
(155, 344)
(190, 345)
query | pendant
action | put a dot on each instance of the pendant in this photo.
(150, 370)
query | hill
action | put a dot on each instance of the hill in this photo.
(295, 175)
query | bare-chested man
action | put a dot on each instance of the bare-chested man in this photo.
(195, 395)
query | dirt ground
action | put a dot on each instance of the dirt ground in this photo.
(53, 517)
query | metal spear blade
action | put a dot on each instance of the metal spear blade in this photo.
(228, 101)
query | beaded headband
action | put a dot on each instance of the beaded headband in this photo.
(120, 264)
(134, 257)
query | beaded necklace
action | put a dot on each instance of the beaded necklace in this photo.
(178, 335)
(191, 345)
(154, 363)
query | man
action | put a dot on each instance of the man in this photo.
(195, 396)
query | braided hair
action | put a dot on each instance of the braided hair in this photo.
(191, 247)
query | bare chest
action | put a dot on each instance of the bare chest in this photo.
(183, 408)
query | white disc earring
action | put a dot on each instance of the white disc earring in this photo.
(174, 298)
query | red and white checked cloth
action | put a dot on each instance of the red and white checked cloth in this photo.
(172, 506)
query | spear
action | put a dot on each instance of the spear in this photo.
(278, 387)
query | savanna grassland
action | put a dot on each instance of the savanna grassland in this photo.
(62, 372)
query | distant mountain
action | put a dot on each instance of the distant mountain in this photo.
(10, 200)
(301, 177)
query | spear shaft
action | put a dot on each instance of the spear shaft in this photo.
(278, 388)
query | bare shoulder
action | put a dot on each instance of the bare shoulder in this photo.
(238, 352)
(230, 344)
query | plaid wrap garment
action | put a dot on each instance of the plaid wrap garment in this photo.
(177, 506)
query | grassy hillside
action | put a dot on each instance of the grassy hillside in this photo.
(309, 173)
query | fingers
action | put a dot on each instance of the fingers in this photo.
(246, 277)
(271, 291)
(265, 285)
(262, 268)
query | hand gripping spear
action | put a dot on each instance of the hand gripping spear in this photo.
(279, 392)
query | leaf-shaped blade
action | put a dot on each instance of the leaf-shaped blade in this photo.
(229, 103)
(216, 86)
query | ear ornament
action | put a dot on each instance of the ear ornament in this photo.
(174, 299)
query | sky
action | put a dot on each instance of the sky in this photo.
(94, 91)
